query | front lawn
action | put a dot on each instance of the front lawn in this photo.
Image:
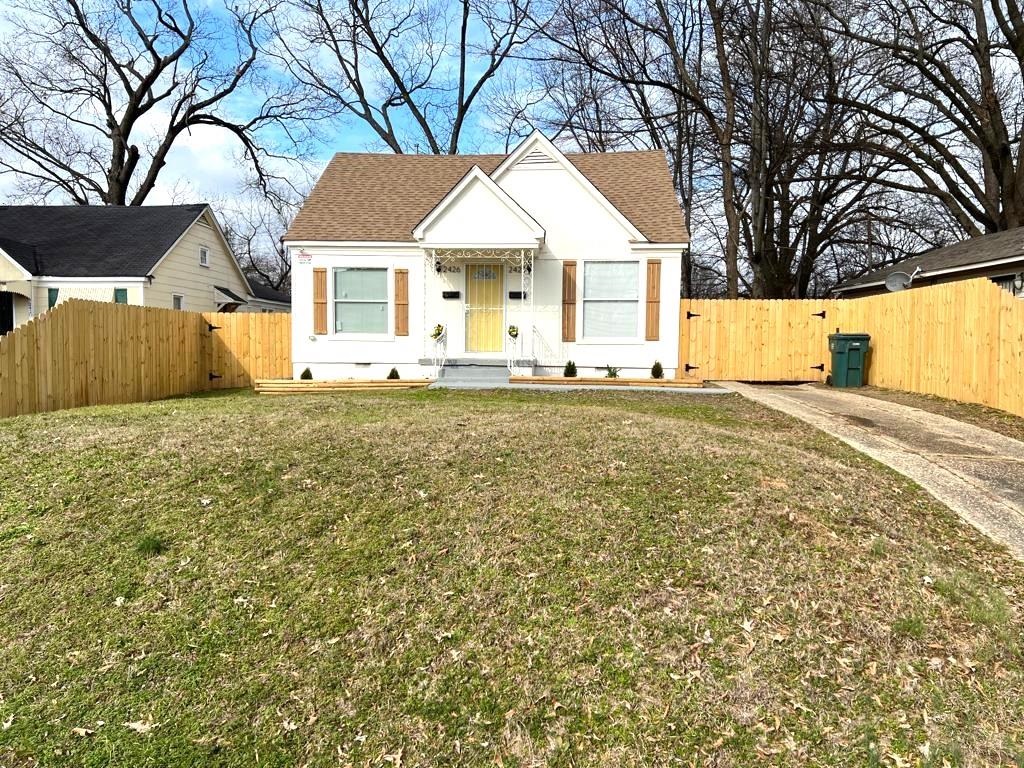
(488, 579)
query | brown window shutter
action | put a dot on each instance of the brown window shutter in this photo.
(653, 298)
(401, 302)
(319, 301)
(568, 301)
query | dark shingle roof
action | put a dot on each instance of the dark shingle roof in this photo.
(265, 292)
(93, 241)
(977, 250)
(23, 253)
(382, 197)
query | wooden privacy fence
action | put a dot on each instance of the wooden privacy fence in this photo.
(91, 353)
(962, 340)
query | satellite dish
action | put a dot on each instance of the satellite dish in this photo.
(898, 281)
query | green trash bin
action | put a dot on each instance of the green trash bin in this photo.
(849, 358)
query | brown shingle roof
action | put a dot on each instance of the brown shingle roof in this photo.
(382, 197)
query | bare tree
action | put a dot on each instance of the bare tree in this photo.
(410, 70)
(255, 223)
(940, 86)
(93, 95)
(746, 98)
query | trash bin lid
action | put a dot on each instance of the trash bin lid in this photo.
(849, 336)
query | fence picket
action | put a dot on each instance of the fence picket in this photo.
(961, 340)
(92, 353)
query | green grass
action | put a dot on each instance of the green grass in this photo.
(512, 579)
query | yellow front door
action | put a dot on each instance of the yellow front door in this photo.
(485, 308)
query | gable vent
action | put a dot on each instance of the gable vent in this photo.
(536, 158)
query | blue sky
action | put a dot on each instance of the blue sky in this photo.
(206, 163)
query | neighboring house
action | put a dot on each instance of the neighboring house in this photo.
(999, 257)
(172, 256)
(581, 252)
(267, 299)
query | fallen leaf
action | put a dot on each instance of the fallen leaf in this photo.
(140, 726)
(7, 723)
(81, 732)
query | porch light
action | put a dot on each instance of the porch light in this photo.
(437, 266)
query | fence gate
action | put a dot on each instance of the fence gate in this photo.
(245, 346)
(755, 340)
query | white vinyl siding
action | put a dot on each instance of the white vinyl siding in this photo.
(180, 273)
(611, 299)
(360, 300)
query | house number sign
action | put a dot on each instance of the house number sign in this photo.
(451, 269)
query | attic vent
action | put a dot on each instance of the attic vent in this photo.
(536, 158)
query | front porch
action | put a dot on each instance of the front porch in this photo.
(479, 308)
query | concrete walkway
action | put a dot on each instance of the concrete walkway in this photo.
(441, 384)
(977, 473)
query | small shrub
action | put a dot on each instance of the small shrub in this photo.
(393, 374)
(657, 372)
(306, 375)
(612, 372)
(151, 546)
(570, 370)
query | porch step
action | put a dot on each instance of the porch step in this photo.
(478, 374)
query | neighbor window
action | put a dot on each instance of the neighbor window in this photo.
(611, 299)
(177, 301)
(204, 257)
(51, 297)
(360, 300)
(120, 295)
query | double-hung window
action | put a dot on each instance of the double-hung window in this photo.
(611, 299)
(360, 300)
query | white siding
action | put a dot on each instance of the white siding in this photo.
(180, 272)
(260, 305)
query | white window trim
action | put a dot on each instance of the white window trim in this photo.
(635, 340)
(389, 334)
(204, 249)
(178, 296)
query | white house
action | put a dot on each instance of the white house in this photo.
(171, 256)
(580, 252)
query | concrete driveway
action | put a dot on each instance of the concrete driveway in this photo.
(977, 473)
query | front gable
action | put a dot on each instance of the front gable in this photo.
(537, 152)
(477, 212)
